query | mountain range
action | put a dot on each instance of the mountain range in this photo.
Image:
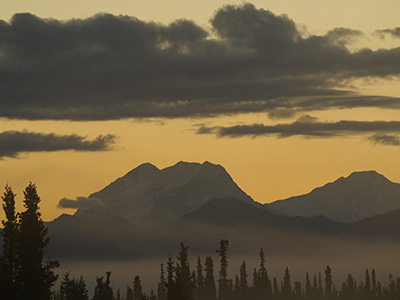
(243, 224)
(148, 196)
(147, 213)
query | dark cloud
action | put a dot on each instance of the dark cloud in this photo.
(394, 32)
(113, 67)
(12, 143)
(385, 139)
(308, 126)
(79, 202)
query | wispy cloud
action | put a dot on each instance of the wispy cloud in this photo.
(385, 139)
(310, 127)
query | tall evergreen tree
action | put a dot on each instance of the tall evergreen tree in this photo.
(287, 286)
(328, 282)
(183, 274)
(162, 285)
(171, 284)
(309, 289)
(275, 289)
(9, 259)
(210, 291)
(199, 281)
(373, 284)
(243, 285)
(35, 277)
(137, 288)
(223, 282)
(262, 284)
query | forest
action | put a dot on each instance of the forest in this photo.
(24, 273)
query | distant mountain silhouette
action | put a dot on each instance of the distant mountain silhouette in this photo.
(246, 226)
(361, 195)
(147, 196)
(232, 213)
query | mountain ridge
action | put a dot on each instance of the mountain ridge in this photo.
(347, 199)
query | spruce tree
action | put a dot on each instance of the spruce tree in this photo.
(9, 259)
(287, 286)
(328, 282)
(275, 289)
(367, 286)
(309, 290)
(223, 282)
(35, 278)
(162, 285)
(262, 284)
(210, 291)
(199, 281)
(243, 285)
(137, 288)
(171, 283)
(183, 274)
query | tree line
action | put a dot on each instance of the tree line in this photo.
(25, 276)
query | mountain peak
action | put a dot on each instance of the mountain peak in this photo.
(145, 167)
(147, 194)
(358, 196)
(366, 175)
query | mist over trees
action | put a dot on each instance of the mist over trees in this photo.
(179, 281)
(24, 274)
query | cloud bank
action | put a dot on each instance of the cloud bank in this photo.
(310, 127)
(111, 67)
(12, 143)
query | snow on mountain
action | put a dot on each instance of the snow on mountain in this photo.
(148, 196)
(359, 196)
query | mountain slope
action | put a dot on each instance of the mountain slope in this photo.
(147, 196)
(359, 196)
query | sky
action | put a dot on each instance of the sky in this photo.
(286, 95)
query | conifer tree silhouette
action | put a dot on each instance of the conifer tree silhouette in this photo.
(183, 275)
(224, 291)
(210, 291)
(103, 289)
(9, 259)
(328, 282)
(243, 285)
(137, 288)
(72, 288)
(199, 294)
(35, 278)
(162, 285)
(287, 285)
